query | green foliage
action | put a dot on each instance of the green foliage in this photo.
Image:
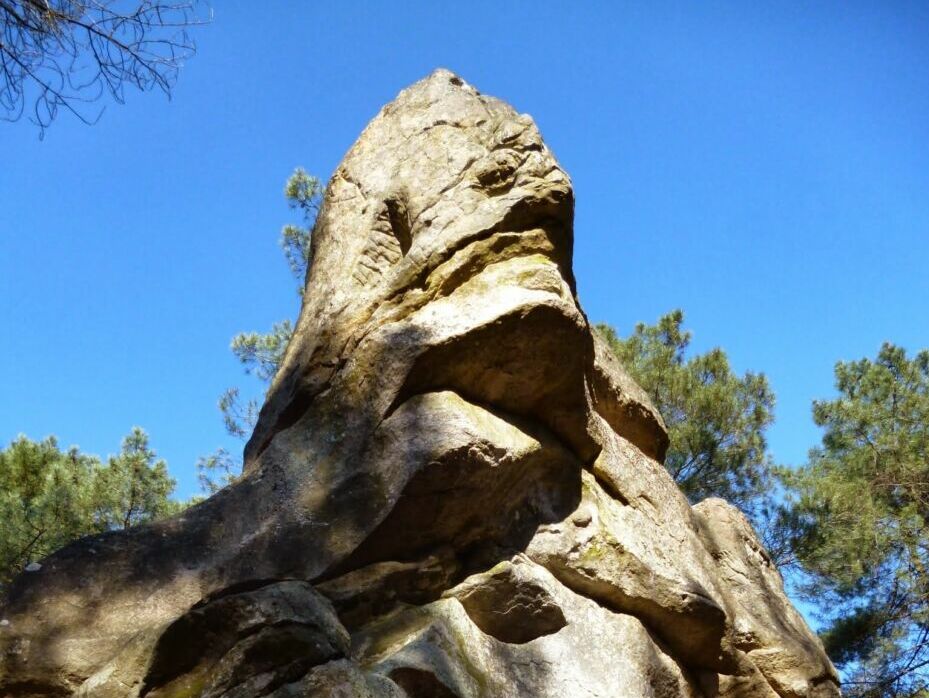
(239, 417)
(303, 193)
(49, 497)
(44, 501)
(216, 471)
(861, 507)
(716, 419)
(133, 487)
(261, 354)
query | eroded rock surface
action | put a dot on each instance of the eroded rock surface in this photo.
(453, 488)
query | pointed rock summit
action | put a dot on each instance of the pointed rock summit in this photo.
(453, 489)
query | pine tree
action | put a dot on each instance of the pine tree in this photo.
(861, 508)
(716, 419)
(50, 497)
(133, 487)
(261, 353)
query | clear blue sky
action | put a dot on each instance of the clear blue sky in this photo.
(766, 169)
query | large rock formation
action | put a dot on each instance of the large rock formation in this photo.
(453, 488)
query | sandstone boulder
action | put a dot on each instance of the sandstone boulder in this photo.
(765, 625)
(453, 489)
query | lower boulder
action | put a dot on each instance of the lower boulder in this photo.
(246, 643)
(569, 645)
(767, 627)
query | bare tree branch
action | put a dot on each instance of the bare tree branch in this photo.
(65, 54)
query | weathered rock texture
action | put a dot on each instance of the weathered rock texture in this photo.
(453, 488)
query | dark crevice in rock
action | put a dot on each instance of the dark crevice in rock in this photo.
(282, 676)
(239, 588)
(33, 688)
(400, 223)
(378, 589)
(418, 683)
(609, 486)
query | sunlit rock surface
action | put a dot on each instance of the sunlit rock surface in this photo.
(453, 488)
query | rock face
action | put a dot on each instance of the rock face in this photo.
(453, 488)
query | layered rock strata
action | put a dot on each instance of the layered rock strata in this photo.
(453, 488)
